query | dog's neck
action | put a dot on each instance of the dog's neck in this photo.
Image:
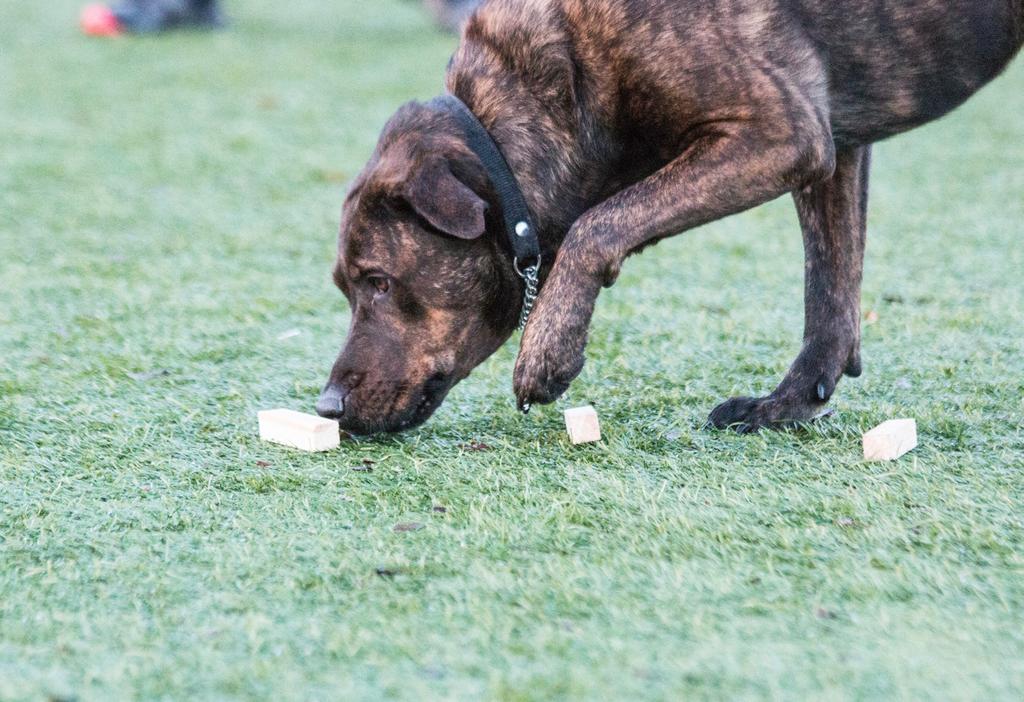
(542, 162)
(536, 121)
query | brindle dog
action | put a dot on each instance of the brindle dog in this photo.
(625, 122)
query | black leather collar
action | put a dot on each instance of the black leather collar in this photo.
(519, 226)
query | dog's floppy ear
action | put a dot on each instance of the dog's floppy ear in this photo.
(445, 201)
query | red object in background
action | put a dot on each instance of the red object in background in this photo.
(99, 21)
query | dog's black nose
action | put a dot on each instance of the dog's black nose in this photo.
(332, 402)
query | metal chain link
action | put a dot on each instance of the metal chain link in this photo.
(531, 279)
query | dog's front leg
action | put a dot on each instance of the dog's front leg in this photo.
(733, 167)
(833, 215)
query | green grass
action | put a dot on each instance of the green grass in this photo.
(168, 209)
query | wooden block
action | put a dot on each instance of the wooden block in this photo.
(890, 440)
(297, 430)
(583, 425)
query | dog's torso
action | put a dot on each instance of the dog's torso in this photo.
(592, 95)
(894, 69)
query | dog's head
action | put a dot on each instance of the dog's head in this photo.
(431, 289)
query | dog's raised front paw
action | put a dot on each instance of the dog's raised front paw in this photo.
(751, 414)
(543, 374)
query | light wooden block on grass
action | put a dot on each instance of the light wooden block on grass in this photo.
(297, 430)
(890, 440)
(583, 425)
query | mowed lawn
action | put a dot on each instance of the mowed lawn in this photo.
(168, 211)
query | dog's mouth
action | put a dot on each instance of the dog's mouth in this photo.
(425, 402)
(431, 396)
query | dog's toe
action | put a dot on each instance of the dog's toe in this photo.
(751, 414)
(738, 413)
(543, 381)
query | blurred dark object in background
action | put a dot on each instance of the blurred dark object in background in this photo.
(450, 14)
(142, 16)
(149, 16)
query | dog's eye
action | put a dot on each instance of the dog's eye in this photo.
(380, 283)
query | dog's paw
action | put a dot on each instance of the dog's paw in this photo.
(747, 415)
(543, 374)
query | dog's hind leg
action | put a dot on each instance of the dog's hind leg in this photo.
(833, 215)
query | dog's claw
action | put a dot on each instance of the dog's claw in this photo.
(825, 387)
